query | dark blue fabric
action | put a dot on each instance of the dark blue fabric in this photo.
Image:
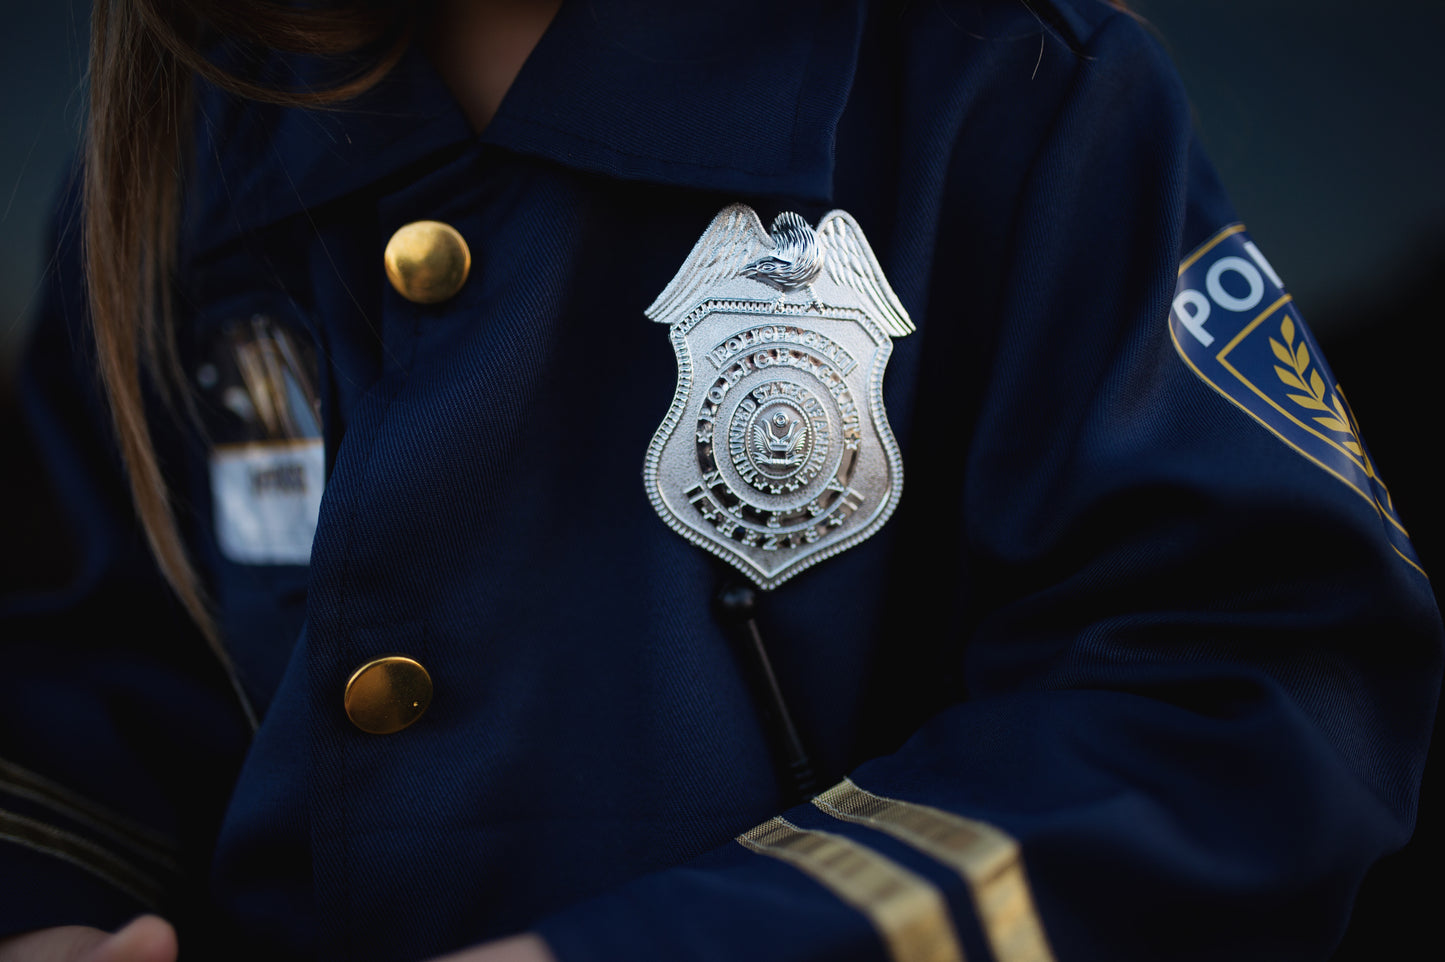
(108, 691)
(1112, 615)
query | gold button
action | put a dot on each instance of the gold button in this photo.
(388, 694)
(427, 261)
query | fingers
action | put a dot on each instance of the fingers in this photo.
(149, 938)
(63, 943)
(518, 948)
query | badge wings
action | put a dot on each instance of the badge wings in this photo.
(736, 245)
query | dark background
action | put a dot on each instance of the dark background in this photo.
(1326, 120)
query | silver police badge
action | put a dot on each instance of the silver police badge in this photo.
(776, 452)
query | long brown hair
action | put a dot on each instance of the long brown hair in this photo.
(144, 57)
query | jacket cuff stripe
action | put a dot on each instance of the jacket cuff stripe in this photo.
(990, 861)
(909, 912)
(81, 853)
(148, 844)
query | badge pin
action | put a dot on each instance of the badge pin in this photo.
(776, 452)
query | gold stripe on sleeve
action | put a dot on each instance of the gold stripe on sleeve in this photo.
(68, 847)
(908, 911)
(989, 860)
(148, 844)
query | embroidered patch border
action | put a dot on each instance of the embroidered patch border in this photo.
(1270, 366)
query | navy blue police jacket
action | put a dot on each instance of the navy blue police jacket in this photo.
(1142, 667)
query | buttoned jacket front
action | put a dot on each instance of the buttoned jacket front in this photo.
(1114, 619)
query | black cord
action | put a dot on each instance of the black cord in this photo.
(737, 605)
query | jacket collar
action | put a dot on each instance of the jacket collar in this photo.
(739, 98)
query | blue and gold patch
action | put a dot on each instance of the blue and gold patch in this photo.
(1233, 322)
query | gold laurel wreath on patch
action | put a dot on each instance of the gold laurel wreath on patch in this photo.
(1317, 395)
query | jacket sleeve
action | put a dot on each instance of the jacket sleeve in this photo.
(119, 736)
(1200, 691)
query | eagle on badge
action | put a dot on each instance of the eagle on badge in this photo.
(787, 259)
(776, 452)
(776, 443)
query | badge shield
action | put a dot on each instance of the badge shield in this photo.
(776, 451)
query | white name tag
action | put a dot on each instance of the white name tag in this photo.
(267, 497)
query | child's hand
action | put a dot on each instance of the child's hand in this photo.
(518, 948)
(149, 938)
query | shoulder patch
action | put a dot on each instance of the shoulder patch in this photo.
(1235, 325)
